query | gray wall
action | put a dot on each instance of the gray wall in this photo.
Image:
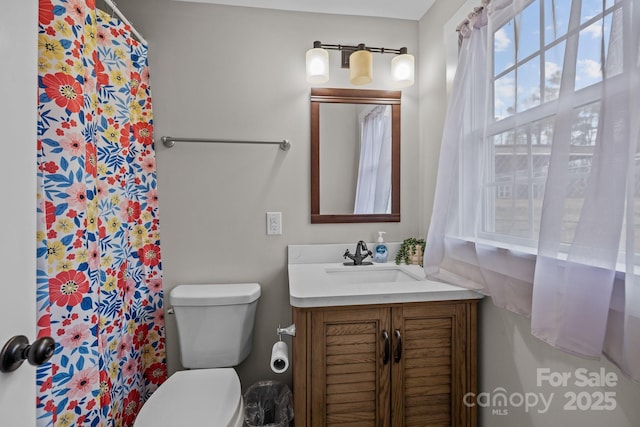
(231, 72)
(340, 142)
(509, 355)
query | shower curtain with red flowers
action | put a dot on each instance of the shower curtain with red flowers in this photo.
(99, 271)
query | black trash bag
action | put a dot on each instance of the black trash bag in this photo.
(268, 403)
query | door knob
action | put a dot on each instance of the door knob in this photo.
(18, 349)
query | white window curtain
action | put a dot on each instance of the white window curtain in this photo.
(373, 191)
(538, 194)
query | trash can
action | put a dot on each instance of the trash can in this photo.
(268, 403)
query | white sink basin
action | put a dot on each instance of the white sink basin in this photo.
(318, 278)
(369, 274)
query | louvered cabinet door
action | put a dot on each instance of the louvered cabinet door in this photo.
(350, 381)
(397, 365)
(433, 364)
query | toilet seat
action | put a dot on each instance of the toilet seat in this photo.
(199, 397)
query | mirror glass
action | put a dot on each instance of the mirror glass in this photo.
(355, 156)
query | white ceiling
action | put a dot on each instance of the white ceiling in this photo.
(401, 9)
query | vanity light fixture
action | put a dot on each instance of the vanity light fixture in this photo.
(359, 60)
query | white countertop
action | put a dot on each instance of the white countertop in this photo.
(310, 285)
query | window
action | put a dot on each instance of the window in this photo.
(528, 58)
(539, 171)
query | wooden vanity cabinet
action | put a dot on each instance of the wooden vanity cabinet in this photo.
(385, 365)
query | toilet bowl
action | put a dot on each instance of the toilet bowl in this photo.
(215, 332)
(200, 397)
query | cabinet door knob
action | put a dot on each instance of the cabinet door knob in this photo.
(18, 349)
(398, 354)
(387, 347)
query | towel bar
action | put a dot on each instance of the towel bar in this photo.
(169, 141)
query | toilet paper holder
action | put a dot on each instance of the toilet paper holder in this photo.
(289, 330)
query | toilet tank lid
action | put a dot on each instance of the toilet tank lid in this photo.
(218, 294)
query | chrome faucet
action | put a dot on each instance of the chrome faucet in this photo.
(361, 253)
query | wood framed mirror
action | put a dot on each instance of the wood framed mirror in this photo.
(352, 178)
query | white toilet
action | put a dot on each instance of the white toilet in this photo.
(215, 330)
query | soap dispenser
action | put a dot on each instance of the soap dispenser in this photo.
(380, 251)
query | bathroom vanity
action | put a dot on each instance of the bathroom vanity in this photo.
(379, 345)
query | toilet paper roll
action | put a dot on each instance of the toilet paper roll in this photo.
(280, 357)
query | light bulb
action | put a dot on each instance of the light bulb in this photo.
(402, 70)
(361, 67)
(317, 65)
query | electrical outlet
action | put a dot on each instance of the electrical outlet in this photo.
(274, 223)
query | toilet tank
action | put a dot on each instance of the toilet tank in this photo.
(215, 323)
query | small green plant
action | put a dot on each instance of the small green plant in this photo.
(407, 249)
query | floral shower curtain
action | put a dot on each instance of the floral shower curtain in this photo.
(99, 271)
